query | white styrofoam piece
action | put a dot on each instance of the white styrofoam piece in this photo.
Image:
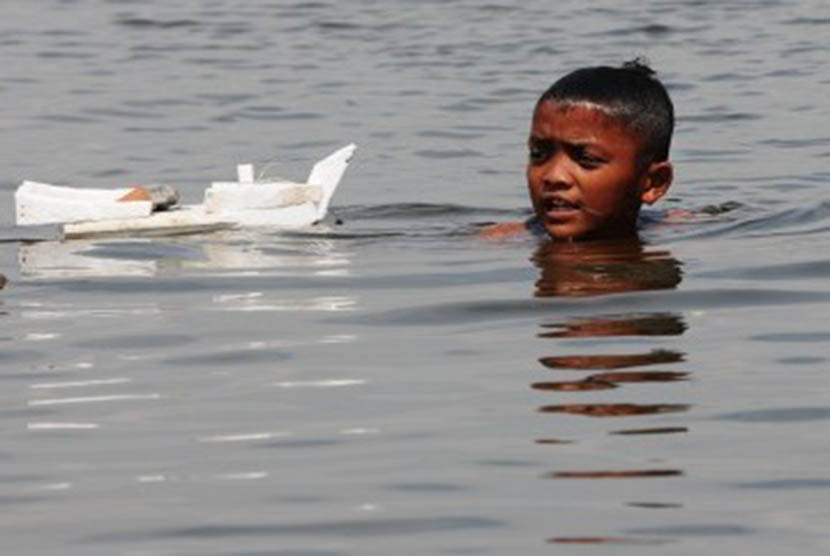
(234, 196)
(327, 174)
(73, 193)
(266, 203)
(194, 217)
(42, 203)
(245, 173)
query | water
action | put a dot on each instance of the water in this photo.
(393, 384)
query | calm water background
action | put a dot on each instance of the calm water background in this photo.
(393, 385)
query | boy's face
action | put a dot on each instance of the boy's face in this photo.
(584, 174)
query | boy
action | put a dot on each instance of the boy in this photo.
(599, 146)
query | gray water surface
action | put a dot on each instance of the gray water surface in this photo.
(393, 384)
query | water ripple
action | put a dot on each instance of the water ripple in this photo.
(347, 529)
(148, 23)
(507, 309)
(694, 530)
(786, 484)
(778, 415)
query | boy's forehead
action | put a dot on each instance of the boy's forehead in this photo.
(580, 118)
(587, 105)
(584, 113)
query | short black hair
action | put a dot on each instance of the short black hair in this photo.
(630, 93)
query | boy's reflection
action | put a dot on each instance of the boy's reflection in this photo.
(614, 361)
(629, 324)
(601, 268)
(604, 381)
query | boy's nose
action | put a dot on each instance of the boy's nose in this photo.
(557, 176)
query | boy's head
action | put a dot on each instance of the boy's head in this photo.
(599, 147)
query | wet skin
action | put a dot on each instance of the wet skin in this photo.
(585, 174)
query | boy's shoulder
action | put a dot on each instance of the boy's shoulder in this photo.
(650, 219)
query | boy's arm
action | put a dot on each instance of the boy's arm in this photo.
(498, 231)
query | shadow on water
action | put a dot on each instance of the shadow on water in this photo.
(573, 270)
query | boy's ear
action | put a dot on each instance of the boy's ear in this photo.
(656, 182)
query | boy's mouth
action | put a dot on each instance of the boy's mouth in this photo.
(558, 205)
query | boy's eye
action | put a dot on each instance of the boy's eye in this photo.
(585, 158)
(539, 153)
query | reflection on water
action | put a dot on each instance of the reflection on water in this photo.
(614, 409)
(595, 268)
(632, 324)
(234, 251)
(614, 361)
(58, 259)
(602, 268)
(603, 381)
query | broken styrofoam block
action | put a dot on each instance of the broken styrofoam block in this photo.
(42, 203)
(235, 196)
(327, 173)
(245, 173)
